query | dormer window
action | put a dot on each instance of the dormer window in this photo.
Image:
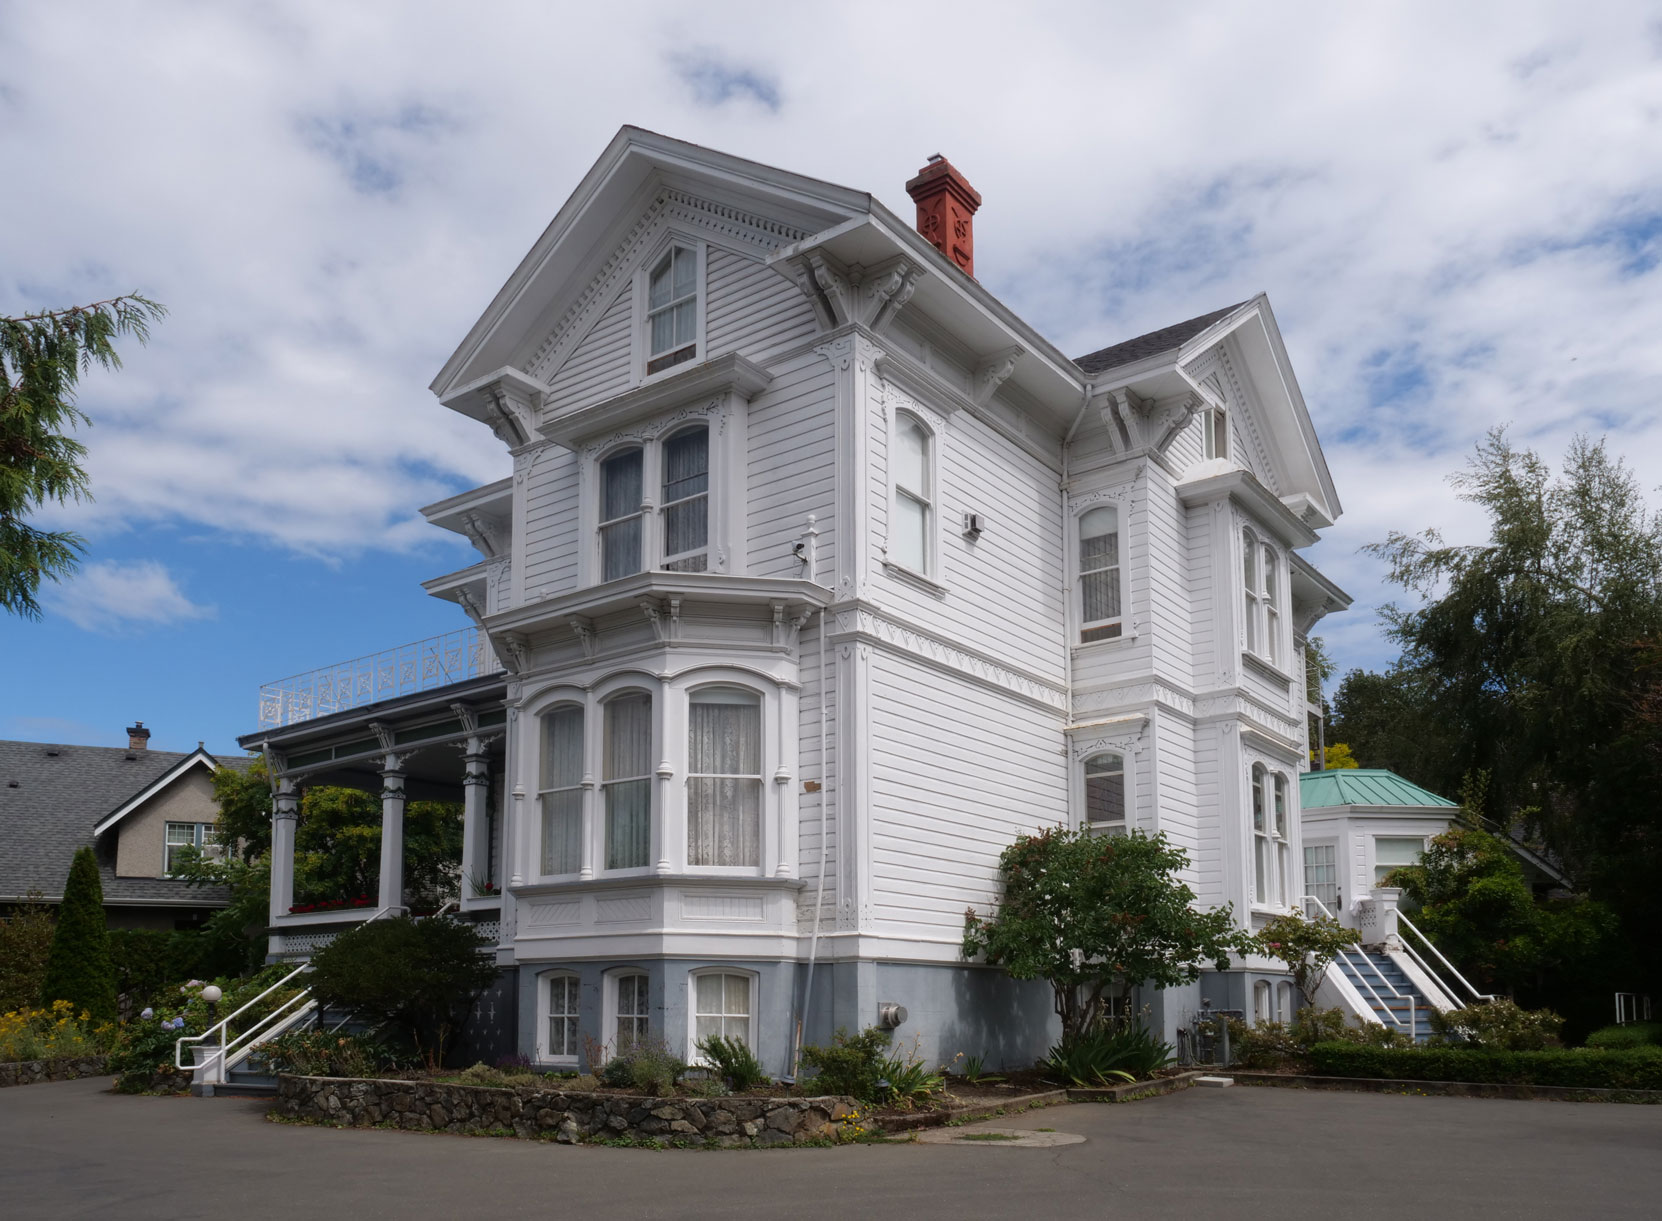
(686, 512)
(621, 489)
(672, 310)
(1214, 431)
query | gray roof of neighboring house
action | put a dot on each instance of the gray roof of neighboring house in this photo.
(51, 798)
(1152, 344)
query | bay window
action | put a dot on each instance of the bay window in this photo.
(1099, 574)
(913, 506)
(1261, 600)
(724, 778)
(626, 783)
(560, 792)
(621, 492)
(686, 511)
(1260, 837)
(1282, 842)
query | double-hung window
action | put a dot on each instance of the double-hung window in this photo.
(563, 996)
(630, 1002)
(1392, 852)
(686, 503)
(913, 495)
(1099, 574)
(627, 781)
(672, 310)
(179, 836)
(621, 493)
(724, 778)
(1282, 840)
(1261, 600)
(1214, 433)
(560, 790)
(1105, 792)
(721, 1006)
(1261, 863)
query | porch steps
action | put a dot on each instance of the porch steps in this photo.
(1364, 968)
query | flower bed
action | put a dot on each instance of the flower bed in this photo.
(569, 1117)
(30, 1072)
(330, 905)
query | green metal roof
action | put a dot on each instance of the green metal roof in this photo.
(1364, 786)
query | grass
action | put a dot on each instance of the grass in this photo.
(989, 1136)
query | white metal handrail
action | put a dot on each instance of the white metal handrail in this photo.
(1404, 921)
(1361, 978)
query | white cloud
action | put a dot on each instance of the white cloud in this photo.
(115, 599)
(1456, 210)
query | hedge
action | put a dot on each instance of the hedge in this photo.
(1580, 1068)
(1623, 1038)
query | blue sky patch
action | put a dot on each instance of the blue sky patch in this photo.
(715, 82)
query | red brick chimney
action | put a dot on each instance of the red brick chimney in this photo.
(946, 210)
(138, 737)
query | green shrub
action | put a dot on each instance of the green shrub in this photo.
(148, 962)
(78, 969)
(1274, 1044)
(323, 1053)
(647, 1066)
(733, 1062)
(1113, 1052)
(1625, 1038)
(1498, 1025)
(144, 1062)
(420, 975)
(25, 945)
(54, 1033)
(496, 1078)
(852, 1065)
(909, 1081)
(1640, 1069)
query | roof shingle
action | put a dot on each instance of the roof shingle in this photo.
(1151, 344)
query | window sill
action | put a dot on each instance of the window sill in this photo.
(917, 580)
(1252, 661)
(1080, 646)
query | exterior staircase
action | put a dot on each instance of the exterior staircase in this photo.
(1391, 995)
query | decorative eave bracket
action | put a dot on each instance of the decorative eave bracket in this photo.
(871, 296)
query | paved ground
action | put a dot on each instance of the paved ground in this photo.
(70, 1150)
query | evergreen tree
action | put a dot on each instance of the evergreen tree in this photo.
(42, 356)
(79, 970)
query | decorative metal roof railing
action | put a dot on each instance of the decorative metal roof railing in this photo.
(420, 666)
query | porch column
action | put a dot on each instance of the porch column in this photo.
(285, 816)
(392, 835)
(476, 829)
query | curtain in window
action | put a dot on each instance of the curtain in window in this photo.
(673, 325)
(724, 779)
(562, 1015)
(1260, 839)
(722, 1007)
(621, 491)
(1250, 600)
(686, 499)
(1099, 565)
(627, 751)
(562, 795)
(631, 1011)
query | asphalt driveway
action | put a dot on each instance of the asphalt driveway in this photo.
(71, 1150)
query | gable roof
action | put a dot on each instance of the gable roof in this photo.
(1365, 786)
(54, 797)
(1166, 339)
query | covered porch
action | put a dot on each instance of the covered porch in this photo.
(425, 722)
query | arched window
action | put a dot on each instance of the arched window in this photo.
(561, 995)
(621, 494)
(723, 1003)
(686, 503)
(1261, 606)
(1272, 610)
(1263, 1003)
(909, 533)
(1105, 792)
(626, 781)
(560, 790)
(1250, 583)
(630, 1006)
(672, 310)
(1284, 1002)
(1260, 837)
(724, 777)
(1282, 834)
(1099, 574)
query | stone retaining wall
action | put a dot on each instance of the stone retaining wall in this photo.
(28, 1072)
(553, 1114)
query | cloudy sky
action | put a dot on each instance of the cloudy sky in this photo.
(1456, 211)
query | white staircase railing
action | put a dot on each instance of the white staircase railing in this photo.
(1403, 922)
(1362, 969)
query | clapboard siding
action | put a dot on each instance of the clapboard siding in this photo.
(1004, 590)
(1169, 624)
(811, 768)
(1209, 848)
(751, 308)
(792, 467)
(958, 771)
(599, 366)
(1206, 614)
(550, 527)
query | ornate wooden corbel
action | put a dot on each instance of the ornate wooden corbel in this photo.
(994, 372)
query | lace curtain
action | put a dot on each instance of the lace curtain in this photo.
(724, 779)
(627, 780)
(687, 500)
(620, 514)
(561, 793)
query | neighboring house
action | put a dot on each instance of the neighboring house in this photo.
(137, 808)
(820, 577)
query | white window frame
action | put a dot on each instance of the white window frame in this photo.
(1284, 1003)
(692, 1056)
(1331, 849)
(644, 311)
(1214, 433)
(1085, 776)
(1259, 819)
(610, 1012)
(642, 513)
(1260, 573)
(199, 840)
(928, 497)
(1281, 834)
(667, 560)
(1077, 608)
(545, 1009)
(584, 783)
(654, 811)
(1373, 853)
(1263, 1002)
(759, 776)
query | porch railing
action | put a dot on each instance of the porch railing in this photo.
(418, 666)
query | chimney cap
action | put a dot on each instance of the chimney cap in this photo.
(138, 737)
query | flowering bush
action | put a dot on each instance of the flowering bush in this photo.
(323, 1053)
(330, 905)
(1499, 1025)
(54, 1033)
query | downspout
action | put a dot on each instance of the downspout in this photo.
(1067, 588)
(824, 823)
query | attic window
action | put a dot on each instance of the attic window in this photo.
(672, 310)
(1215, 432)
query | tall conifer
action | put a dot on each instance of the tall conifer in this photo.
(79, 970)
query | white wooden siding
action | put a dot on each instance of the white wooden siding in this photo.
(751, 308)
(551, 525)
(598, 367)
(792, 467)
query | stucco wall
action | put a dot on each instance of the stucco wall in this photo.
(141, 835)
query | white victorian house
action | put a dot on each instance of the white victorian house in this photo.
(820, 576)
